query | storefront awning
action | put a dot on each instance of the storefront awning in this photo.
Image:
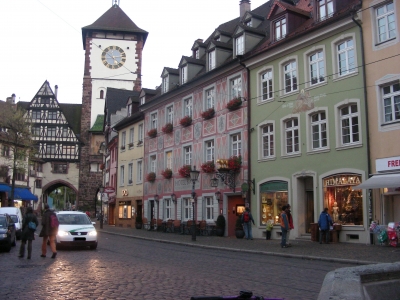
(380, 181)
(5, 188)
(24, 194)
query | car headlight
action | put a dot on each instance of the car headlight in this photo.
(92, 233)
(62, 233)
(3, 235)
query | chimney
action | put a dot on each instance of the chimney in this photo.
(56, 91)
(244, 7)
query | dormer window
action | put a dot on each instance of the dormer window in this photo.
(142, 100)
(325, 9)
(218, 38)
(130, 108)
(240, 45)
(197, 54)
(249, 23)
(280, 29)
(211, 60)
(183, 75)
(165, 84)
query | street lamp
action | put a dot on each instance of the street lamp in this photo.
(194, 175)
(173, 198)
(101, 189)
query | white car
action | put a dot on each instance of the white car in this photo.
(75, 229)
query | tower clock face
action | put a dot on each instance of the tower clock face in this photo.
(113, 57)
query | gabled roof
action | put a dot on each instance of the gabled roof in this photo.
(114, 19)
(191, 60)
(250, 14)
(248, 29)
(170, 71)
(98, 124)
(116, 99)
(135, 117)
(217, 44)
(199, 43)
(285, 6)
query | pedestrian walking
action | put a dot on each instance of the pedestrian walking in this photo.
(284, 226)
(28, 234)
(247, 219)
(324, 223)
(48, 231)
(291, 226)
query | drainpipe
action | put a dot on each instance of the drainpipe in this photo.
(248, 125)
(366, 117)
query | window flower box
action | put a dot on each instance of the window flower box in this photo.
(167, 173)
(151, 177)
(130, 145)
(185, 171)
(186, 121)
(208, 167)
(152, 133)
(168, 128)
(234, 104)
(208, 114)
(235, 162)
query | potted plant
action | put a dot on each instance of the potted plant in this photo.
(268, 229)
(168, 128)
(208, 167)
(138, 222)
(235, 103)
(186, 121)
(208, 114)
(151, 177)
(239, 232)
(185, 171)
(152, 133)
(220, 225)
(167, 173)
(235, 162)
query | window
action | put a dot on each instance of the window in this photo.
(346, 59)
(209, 149)
(280, 29)
(140, 137)
(129, 109)
(318, 130)
(209, 98)
(139, 171)
(51, 132)
(5, 151)
(386, 24)
(168, 209)
(60, 168)
(349, 124)
(292, 136)
(153, 121)
(183, 75)
(36, 115)
(130, 173)
(101, 94)
(153, 163)
(20, 176)
(317, 67)
(236, 144)
(170, 114)
(142, 100)
(211, 60)
(125, 210)
(240, 45)
(188, 107)
(38, 183)
(131, 137)
(209, 209)
(68, 149)
(123, 140)
(268, 143)
(325, 9)
(50, 149)
(52, 115)
(290, 76)
(187, 155)
(236, 87)
(165, 84)
(122, 175)
(266, 85)
(249, 23)
(391, 102)
(197, 54)
(187, 208)
(168, 160)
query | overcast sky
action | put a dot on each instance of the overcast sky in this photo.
(42, 39)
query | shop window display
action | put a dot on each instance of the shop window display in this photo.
(125, 210)
(345, 204)
(273, 195)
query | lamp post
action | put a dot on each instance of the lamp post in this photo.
(194, 175)
(101, 189)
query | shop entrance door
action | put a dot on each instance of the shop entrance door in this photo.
(234, 203)
(309, 210)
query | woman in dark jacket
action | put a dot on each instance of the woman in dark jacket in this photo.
(27, 233)
(48, 233)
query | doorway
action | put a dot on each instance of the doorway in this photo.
(233, 202)
(309, 210)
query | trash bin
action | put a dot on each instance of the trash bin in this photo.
(314, 232)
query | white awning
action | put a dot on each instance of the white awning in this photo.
(380, 181)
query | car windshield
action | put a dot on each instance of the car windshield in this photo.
(14, 218)
(72, 219)
(3, 223)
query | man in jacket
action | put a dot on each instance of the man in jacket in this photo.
(48, 233)
(324, 223)
(284, 226)
(246, 219)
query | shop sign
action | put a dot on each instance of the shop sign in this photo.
(125, 193)
(387, 164)
(342, 180)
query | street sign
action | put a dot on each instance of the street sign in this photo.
(109, 189)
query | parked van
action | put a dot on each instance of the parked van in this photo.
(16, 215)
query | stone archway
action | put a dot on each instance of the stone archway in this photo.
(55, 184)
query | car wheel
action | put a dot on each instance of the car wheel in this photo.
(14, 243)
(93, 247)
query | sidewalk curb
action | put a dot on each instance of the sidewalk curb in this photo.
(305, 257)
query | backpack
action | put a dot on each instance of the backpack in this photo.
(54, 221)
(32, 226)
(246, 217)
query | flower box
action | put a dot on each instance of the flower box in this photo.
(152, 133)
(168, 128)
(208, 167)
(185, 171)
(167, 173)
(151, 177)
(130, 145)
(208, 114)
(234, 104)
(235, 162)
(186, 121)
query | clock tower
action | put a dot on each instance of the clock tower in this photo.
(113, 47)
